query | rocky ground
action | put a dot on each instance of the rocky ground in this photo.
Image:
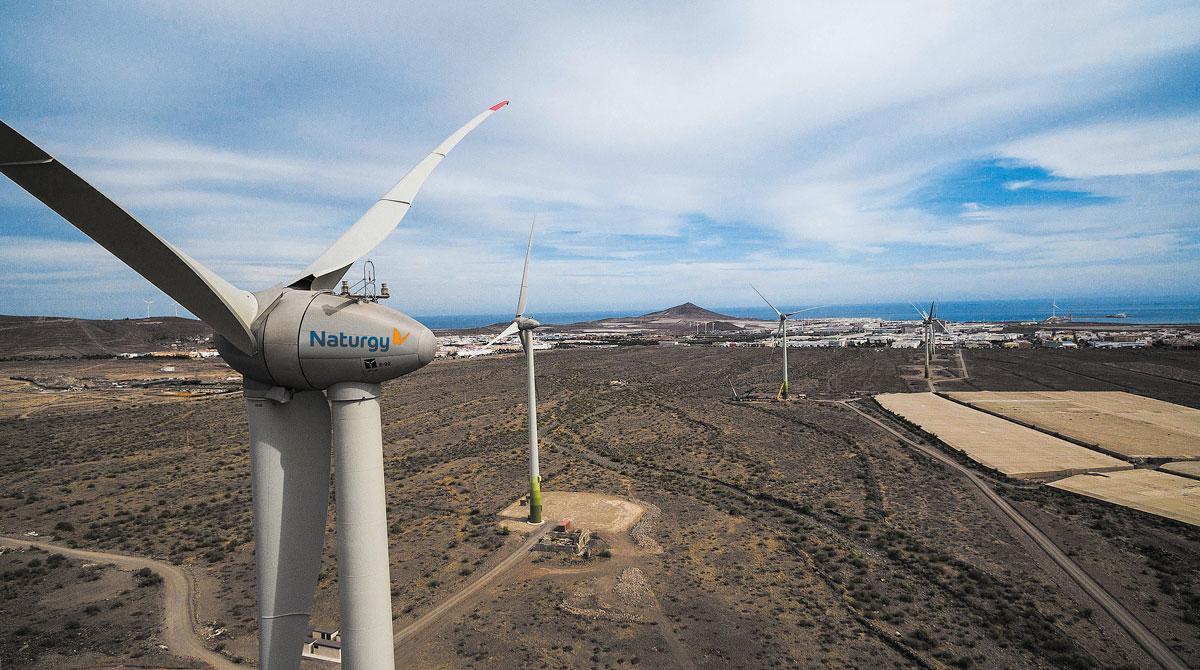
(783, 535)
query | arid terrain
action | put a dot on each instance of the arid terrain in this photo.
(24, 337)
(74, 613)
(775, 535)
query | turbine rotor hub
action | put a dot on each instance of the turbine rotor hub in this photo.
(526, 323)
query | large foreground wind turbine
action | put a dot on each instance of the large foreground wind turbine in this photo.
(312, 362)
(524, 326)
(783, 318)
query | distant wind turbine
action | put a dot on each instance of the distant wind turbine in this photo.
(929, 321)
(523, 326)
(148, 303)
(783, 389)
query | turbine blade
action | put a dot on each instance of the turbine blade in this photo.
(364, 580)
(512, 328)
(289, 461)
(766, 301)
(806, 309)
(218, 303)
(527, 342)
(525, 272)
(382, 218)
(924, 316)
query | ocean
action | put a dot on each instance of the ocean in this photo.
(1138, 310)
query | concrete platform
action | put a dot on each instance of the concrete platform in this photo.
(1123, 424)
(594, 511)
(1014, 450)
(1146, 490)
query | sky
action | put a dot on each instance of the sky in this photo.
(825, 152)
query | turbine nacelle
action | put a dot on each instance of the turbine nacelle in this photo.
(526, 323)
(311, 340)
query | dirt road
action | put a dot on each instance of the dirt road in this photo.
(427, 619)
(178, 592)
(1132, 625)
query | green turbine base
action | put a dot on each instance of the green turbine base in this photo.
(535, 500)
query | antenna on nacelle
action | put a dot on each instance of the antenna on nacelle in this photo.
(364, 289)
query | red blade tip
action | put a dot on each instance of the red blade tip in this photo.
(498, 105)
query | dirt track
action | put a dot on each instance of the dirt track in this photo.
(178, 632)
(432, 616)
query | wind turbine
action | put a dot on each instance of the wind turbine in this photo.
(312, 363)
(783, 389)
(524, 326)
(148, 303)
(928, 321)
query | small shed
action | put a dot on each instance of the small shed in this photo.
(324, 645)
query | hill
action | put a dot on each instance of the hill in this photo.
(26, 337)
(678, 320)
(687, 311)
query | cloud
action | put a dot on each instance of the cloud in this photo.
(1141, 146)
(670, 152)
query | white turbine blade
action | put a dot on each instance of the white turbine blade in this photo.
(527, 343)
(924, 317)
(779, 313)
(512, 328)
(289, 481)
(364, 571)
(382, 218)
(806, 309)
(217, 302)
(525, 273)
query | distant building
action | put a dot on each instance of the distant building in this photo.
(1135, 344)
(324, 645)
(565, 538)
(906, 344)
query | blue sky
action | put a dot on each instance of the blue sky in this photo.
(670, 152)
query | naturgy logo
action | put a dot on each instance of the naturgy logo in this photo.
(369, 342)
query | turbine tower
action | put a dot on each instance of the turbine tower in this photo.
(312, 364)
(783, 389)
(524, 326)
